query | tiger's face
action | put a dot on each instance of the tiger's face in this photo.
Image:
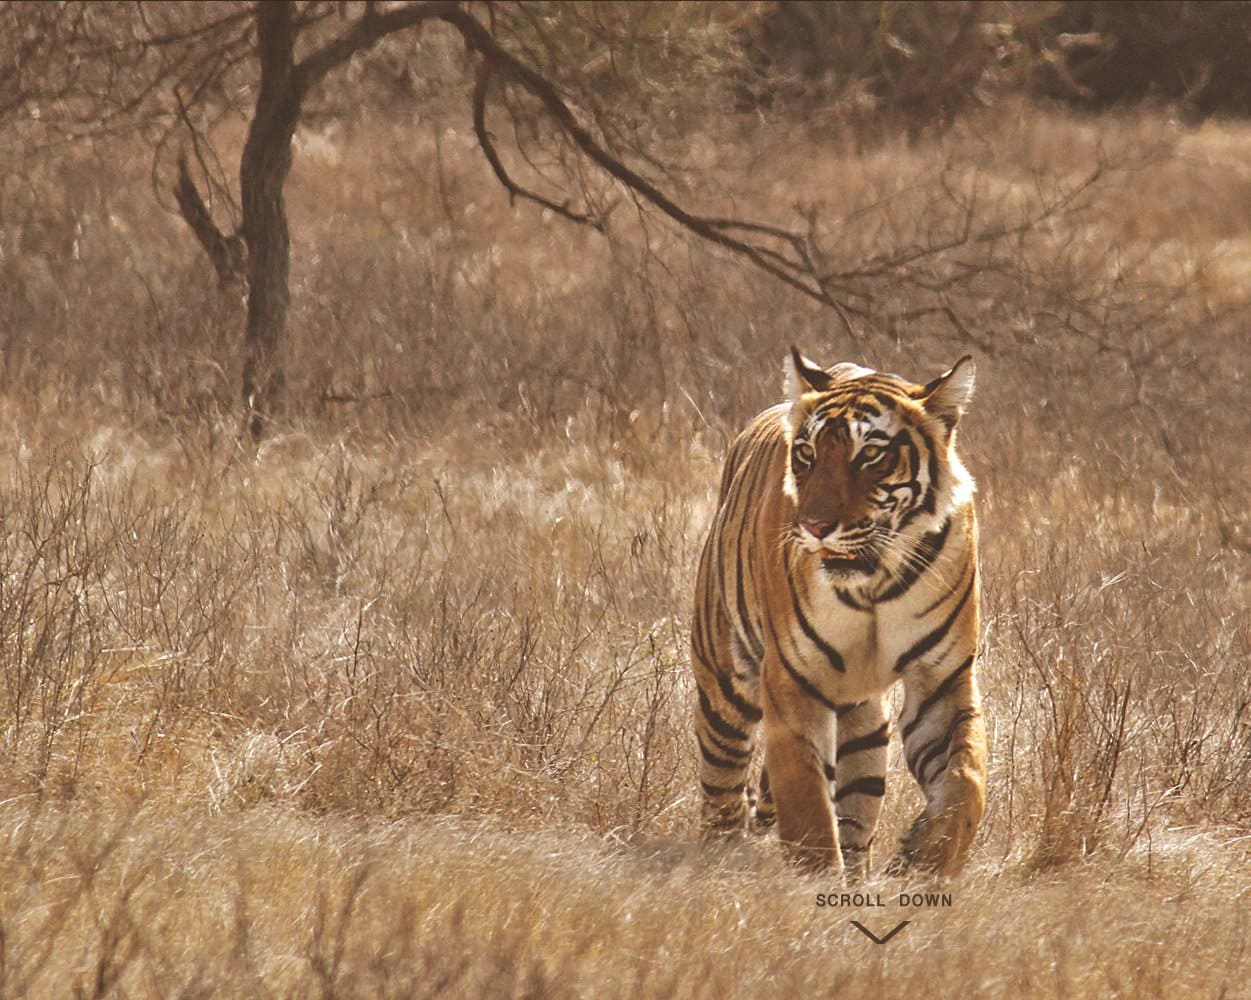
(871, 462)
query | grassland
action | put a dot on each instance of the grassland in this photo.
(398, 703)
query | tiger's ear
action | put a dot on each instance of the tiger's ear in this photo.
(947, 397)
(803, 375)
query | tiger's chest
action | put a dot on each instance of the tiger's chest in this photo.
(849, 646)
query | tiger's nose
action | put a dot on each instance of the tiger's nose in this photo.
(816, 527)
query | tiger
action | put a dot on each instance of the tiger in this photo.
(842, 558)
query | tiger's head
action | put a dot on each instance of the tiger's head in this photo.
(871, 461)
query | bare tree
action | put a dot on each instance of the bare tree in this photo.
(136, 64)
(87, 68)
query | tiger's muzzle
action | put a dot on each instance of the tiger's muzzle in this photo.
(840, 557)
(864, 562)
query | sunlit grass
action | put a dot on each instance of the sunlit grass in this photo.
(399, 703)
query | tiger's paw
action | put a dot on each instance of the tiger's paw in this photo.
(763, 817)
(721, 826)
(936, 845)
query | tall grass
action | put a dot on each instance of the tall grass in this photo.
(399, 703)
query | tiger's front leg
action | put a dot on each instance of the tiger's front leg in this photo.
(944, 740)
(799, 759)
(860, 780)
(725, 726)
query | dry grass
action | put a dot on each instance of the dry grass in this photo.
(399, 704)
(277, 903)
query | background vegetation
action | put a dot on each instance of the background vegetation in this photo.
(397, 701)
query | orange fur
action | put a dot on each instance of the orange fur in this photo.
(843, 558)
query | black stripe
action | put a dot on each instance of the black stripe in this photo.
(752, 488)
(716, 790)
(875, 786)
(936, 695)
(809, 688)
(920, 560)
(914, 462)
(927, 507)
(749, 569)
(929, 504)
(945, 596)
(850, 821)
(744, 629)
(720, 746)
(720, 595)
(846, 598)
(869, 741)
(913, 484)
(940, 748)
(888, 401)
(937, 751)
(749, 712)
(828, 770)
(845, 707)
(709, 609)
(717, 723)
(863, 385)
(912, 756)
(805, 626)
(834, 404)
(717, 545)
(837, 429)
(699, 632)
(698, 644)
(722, 762)
(932, 639)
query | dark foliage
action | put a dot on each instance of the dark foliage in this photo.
(914, 64)
(1105, 54)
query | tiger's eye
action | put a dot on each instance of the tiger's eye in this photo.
(803, 453)
(870, 454)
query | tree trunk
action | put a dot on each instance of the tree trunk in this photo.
(262, 175)
(225, 253)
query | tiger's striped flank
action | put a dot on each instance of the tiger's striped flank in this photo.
(843, 559)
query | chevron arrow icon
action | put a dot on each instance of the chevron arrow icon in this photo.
(873, 937)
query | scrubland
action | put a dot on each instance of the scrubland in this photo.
(398, 702)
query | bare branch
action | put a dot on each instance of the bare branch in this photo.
(365, 32)
(791, 263)
(241, 16)
(793, 272)
(481, 81)
(226, 253)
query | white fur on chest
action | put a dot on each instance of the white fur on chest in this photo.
(871, 642)
(857, 636)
